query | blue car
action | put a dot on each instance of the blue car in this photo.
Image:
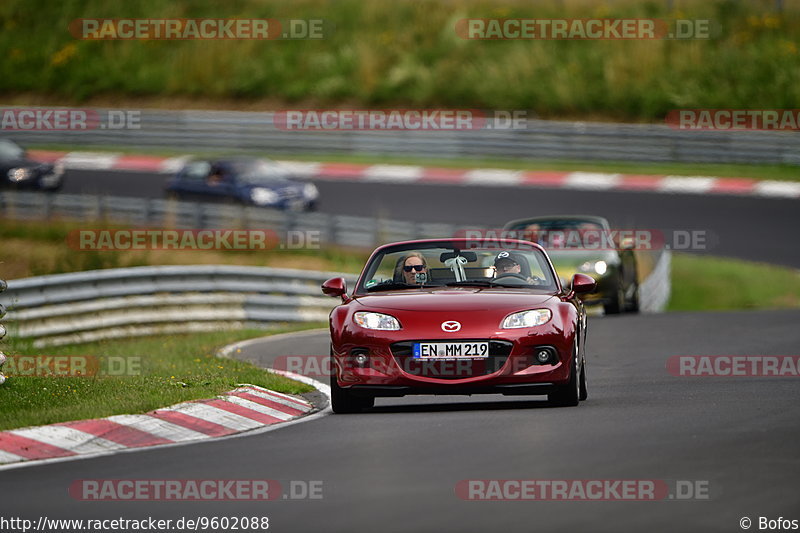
(242, 180)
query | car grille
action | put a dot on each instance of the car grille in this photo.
(451, 369)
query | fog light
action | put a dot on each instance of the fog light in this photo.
(543, 356)
(362, 359)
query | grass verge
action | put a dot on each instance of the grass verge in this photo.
(702, 283)
(40, 248)
(173, 369)
(383, 54)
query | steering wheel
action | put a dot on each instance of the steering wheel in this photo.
(511, 275)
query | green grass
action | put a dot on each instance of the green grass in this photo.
(408, 54)
(174, 368)
(40, 248)
(702, 283)
(758, 172)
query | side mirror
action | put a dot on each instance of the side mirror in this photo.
(583, 284)
(335, 287)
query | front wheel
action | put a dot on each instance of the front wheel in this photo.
(569, 394)
(617, 303)
(584, 392)
(633, 304)
(345, 402)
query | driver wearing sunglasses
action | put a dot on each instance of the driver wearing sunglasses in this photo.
(413, 265)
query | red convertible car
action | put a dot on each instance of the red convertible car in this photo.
(458, 316)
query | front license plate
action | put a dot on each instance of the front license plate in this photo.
(451, 350)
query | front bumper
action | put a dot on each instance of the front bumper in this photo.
(512, 367)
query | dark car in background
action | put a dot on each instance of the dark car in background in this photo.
(585, 244)
(17, 171)
(242, 180)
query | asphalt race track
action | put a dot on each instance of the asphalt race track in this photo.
(759, 229)
(396, 467)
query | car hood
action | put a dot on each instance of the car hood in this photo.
(23, 163)
(450, 299)
(574, 257)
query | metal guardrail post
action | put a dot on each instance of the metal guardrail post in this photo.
(199, 216)
(48, 206)
(3, 287)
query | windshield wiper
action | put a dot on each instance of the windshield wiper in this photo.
(392, 286)
(467, 283)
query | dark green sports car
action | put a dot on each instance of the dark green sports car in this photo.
(587, 245)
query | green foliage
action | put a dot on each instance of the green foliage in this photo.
(407, 54)
(713, 283)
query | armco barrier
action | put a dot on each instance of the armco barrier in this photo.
(342, 230)
(99, 304)
(102, 304)
(539, 139)
(655, 290)
(2, 332)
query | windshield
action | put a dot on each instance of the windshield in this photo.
(562, 234)
(410, 268)
(10, 150)
(259, 171)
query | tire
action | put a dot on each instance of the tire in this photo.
(618, 304)
(584, 391)
(568, 395)
(633, 305)
(343, 401)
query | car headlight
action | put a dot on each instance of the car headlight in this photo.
(262, 196)
(310, 191)
(527, 319)
(369, 320)
(597, 267)
(19, 174)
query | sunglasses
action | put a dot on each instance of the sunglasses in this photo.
(418, 268)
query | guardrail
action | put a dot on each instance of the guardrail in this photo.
(340, 230)
(102, 304)
(2, 332)
(655, 290)
(540, 139)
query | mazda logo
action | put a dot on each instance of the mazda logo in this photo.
(450, 326)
